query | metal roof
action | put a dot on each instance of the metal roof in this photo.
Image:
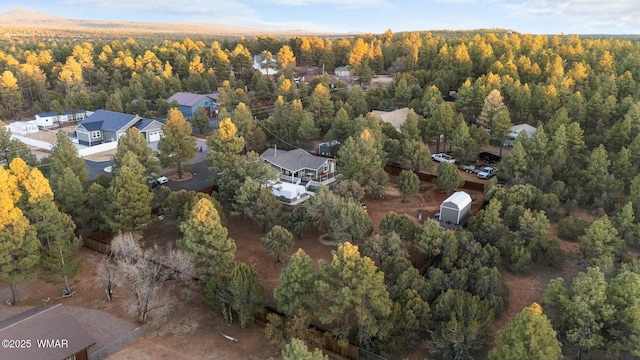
(190, 99)
(48, 114)
(459, 199)
(107, 120)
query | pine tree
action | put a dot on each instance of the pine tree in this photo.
(529, 336)
(130, 196)
(178, 146)
(297, 350)
(63, 156)
(297, 288)
(20, 247)
(277, 241)
(352, 284)
(225, 146)
(205, 239)
(448, 177)
(135, 142)
(408, 184)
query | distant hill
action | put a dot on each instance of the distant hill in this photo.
(26, 19)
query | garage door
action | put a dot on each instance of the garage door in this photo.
(154, 136)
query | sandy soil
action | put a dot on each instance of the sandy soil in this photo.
(195, 332)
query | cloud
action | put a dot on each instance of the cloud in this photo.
(582, 14)
(167, 7)
(343, 3)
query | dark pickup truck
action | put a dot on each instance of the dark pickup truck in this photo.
(489, 157)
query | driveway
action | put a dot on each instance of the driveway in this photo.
(199, 169)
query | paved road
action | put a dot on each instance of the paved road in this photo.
(199, 168)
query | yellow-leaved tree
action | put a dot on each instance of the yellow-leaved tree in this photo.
(19, 247)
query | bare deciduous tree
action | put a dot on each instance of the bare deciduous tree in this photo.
(108, 274)
(145, 271)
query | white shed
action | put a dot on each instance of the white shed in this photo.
(456, 208)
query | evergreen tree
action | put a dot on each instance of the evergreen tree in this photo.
(205, 239)
(352, 224)
(239, 291)
(70, 195)
(321, 106)
(130, 196)
(297, 288)
(352, 284)
(297, 350)
(277, 241)
(178, 146)
(65, 155)
(448, 177)
(201, 121)
(461, 324)
(20, 247)
(225, 146)
(408, 183)
(529, 336)
(14, 148)
(136, 142)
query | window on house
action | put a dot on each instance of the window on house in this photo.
(95, 134)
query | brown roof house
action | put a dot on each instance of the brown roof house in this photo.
(44, 333)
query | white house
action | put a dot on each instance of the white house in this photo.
(456, 209)
(46, 120)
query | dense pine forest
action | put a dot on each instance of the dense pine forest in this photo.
(581, 94)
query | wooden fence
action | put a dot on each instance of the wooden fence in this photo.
(99, 241)
(350, 351)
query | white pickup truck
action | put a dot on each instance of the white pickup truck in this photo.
(443, 158)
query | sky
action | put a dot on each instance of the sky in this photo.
(374, 16)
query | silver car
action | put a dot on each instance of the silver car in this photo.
(487, 172)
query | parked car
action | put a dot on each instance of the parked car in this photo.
(441, 157)
(162, 180)
(487, 172)
(469, 168)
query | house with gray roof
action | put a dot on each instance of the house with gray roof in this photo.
(300, 167)
(516, 130)
(45, 332)
(107, 126)
(190, 102)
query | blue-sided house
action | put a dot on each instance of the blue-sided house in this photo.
(106, 126)
(190, 102)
